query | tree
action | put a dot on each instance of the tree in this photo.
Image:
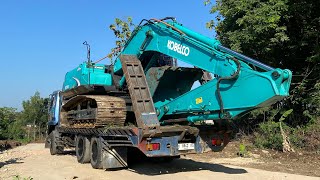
(122, 30)
(7, 117)
(281, 33)
(35, 112)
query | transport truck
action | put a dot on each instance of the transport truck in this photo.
(145, 103)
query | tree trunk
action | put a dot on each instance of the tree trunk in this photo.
(34, 130)
(286, 145)
(39, 132)
(28, 133)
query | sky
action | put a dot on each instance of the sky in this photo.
(41, 40)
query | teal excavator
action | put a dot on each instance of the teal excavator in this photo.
(148, 90)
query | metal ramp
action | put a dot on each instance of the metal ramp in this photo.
(142, 102)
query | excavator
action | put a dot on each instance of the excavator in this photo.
(145, 102)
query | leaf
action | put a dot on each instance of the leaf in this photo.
(286, 114)
(109, 55)
(118, 21)
(122, 30)
(210, 25)
(128, 35)
(112, 27)
(242, 148)
(129, 19)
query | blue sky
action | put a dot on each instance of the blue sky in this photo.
(40, 40)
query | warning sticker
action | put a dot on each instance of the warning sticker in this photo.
(199, 100)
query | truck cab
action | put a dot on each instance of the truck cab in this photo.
(54, 106)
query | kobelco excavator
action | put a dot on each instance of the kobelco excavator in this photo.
(145, 102)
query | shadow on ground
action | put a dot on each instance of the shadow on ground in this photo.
(145, 166)
(69, 152)
(180, 165)
(11, 161)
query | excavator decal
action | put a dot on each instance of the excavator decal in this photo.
(179, 48)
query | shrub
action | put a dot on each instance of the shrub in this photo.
(307, 137)
(268, 135)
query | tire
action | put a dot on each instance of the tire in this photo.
(83, 149)
(96, 153)
(54, 148)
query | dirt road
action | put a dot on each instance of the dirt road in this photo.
(33, 160)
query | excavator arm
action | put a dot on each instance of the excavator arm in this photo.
(236, 88)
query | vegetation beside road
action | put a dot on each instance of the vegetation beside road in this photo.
(26, 125)
(283, 34)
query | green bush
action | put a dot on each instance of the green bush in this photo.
(307, 137)
(268, 135)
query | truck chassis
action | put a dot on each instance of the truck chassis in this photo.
(109, 148)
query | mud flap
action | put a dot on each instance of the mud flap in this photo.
(114, 157)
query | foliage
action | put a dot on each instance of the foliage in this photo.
(122, 29)
(270, 133)
(269, 136)
(7, 117)
(270, 30)
(242, 150)
(284, 34)
(16, 130)
(35, 110)
(285, 114)
(13, 124)
(307, 137)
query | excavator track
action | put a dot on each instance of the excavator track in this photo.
(93, 111)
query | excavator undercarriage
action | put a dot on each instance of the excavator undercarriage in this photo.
(91, 111)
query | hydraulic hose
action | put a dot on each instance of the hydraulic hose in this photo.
(233, 76)
(168, 25)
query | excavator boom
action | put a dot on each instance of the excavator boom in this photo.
(236, 89)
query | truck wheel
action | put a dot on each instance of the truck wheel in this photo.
(83, 149)
(96, 153)
(54, 148)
